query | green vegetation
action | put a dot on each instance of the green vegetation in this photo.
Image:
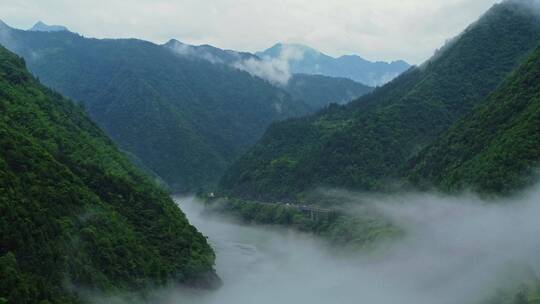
(319, 91)
(75, 215)
(527, 292)
(185, 118)
(351, 231)
(364, 144)
(494, 149)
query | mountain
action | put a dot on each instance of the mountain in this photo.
(199, 112)
(364, 144)
(305, 60)
(494, 149)
(75, 215)
(319, 91)
(42, 27)
(184, 118)
(208, 52)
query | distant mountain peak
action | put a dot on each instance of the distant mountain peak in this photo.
(297, 46)
(173, 42)
(40, 26)
(206, 52)
(353, 58)
(304, 59)
(279, 48)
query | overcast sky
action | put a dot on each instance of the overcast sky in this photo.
(374, 29)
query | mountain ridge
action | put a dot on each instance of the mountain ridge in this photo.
(198, 116)
(494, 149)
(317, 91)
(42, 27)
(362, 145)
(74, 213)
(306, 60)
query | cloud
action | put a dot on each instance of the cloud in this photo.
(183, 49)
(275, 70)
(195, 52)
(533, 5)
(375, 29)
(455, 250)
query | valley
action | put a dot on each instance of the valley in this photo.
(266, 264)
(195, 165)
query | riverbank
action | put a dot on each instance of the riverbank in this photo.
(430, 264)
(358, 230)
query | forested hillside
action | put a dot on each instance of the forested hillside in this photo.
(207, 52)
(316, 91)
(319, 91)
(494, 149)
(364, 144)
(75, 215)
(186, 119)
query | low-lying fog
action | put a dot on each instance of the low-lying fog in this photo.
(456, 250)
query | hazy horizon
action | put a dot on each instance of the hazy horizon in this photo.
(374, 30)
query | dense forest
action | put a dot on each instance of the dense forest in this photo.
(352, 232)
(75, 215)
(314, 90)
(184, 118)
(494, 149)
(364, 145)
(319, 91)
(199, 112)
(85, 179)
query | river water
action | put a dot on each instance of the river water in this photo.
(265, 264)
(454, 252)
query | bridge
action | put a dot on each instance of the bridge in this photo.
(313, 212)
(310, 210)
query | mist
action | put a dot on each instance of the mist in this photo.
(455, 250)
(274, 70)
(187, 50)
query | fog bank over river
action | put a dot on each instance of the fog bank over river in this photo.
(456, 250)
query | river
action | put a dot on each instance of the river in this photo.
(454, 252)
(266, 264)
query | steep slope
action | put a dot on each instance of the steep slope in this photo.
(186, 119)
(305, 60)
(75, 216)
(494, 149)
(363, 145)
(318, 91)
